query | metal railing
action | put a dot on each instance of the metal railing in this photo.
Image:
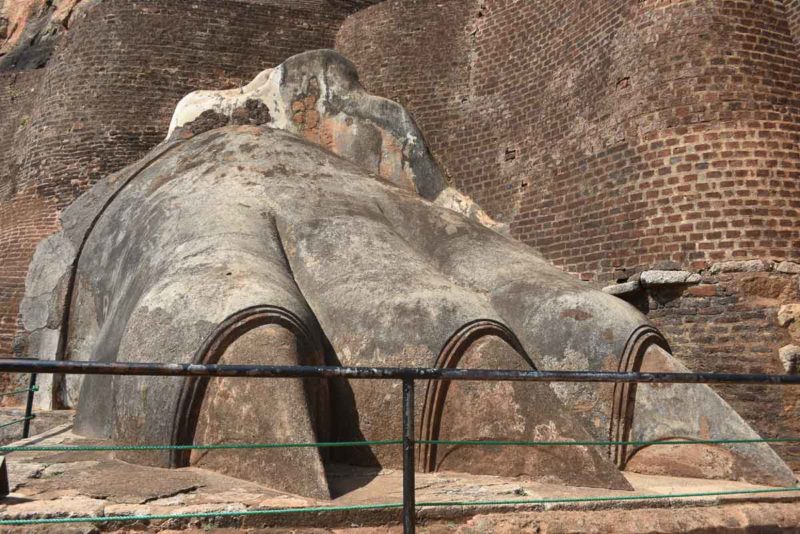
(408, 376)
(29, 415)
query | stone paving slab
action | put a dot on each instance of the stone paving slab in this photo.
(42, 422)
(96, 484)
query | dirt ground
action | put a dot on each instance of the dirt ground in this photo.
(97, 485)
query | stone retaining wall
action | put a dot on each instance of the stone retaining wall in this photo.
(733, 317)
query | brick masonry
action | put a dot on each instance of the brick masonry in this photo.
(25, 216)
(793, 18)
(611, 135)
(728, 323)
(620, 135)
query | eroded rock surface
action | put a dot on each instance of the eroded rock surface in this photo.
(317, 96)
(30, 29)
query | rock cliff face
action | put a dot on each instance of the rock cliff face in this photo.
(30, 30)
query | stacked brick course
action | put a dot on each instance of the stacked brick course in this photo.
(25, 216)
(621, 135)
(793, 16)
(611, 135)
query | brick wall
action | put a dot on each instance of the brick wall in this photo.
(106, 96)
(611, 135)
(619, 135)
(792, 8)
(25, 217)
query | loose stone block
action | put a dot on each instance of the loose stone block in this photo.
(656, 278)
(788, 267)
(790, 356)
(749, 266)
(623, 289)
(788, 314)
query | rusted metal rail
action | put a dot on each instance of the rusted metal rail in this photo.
(20, 365)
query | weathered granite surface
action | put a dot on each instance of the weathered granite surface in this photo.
(30, 30)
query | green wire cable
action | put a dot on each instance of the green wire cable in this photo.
(17, 421)
(105, 448)
(604, 443)
(279, 511)
(17, 392)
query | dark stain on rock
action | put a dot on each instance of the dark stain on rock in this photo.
(208, 120)
(209, 143)
(162, 179)
(158, 182)
(247, 148)
(577, 314)
(187, 164)
(253, 112)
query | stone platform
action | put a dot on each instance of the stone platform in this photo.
(44, 421)
(96, 484)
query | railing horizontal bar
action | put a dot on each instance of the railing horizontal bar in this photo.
(388, 506)
(12, 365)
(491, 443)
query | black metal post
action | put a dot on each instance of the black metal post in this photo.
(409, 497)
(26, 425)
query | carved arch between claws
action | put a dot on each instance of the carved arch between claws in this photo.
(436, 390)
(624, 396)
(668, 439)
(194, 388)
